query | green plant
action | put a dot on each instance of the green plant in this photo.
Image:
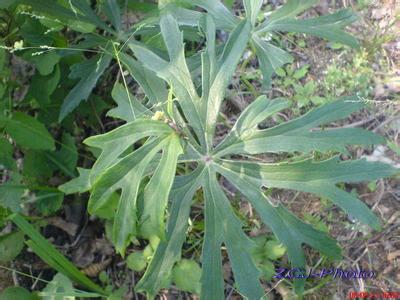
(356, 77)
(51, 256)
(265, 252)
(139, 159)
(148, 171)
(303, 94)
(186, 275)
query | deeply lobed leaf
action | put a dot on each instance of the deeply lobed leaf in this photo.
(151, 149)
(300, 134)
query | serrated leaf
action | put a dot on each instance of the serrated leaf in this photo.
(300, 73)
(108, 210)
(22, 128)
(49, 202)
(65, 13)
(11, 245)
(86, 13)
(45, 63)
(89, 72)
(268, 270)
(59, 288)
(54, 10)
(42, 87)
(33, 32)
(37, 168)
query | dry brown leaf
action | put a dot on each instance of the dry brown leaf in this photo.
(391, 256)
(95, 269)
(70, 228)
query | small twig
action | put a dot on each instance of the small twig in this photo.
(379, 197)
(362, 255)
(387, 121)
(360, 280)
(359, 123)
(36, 280)
(133, 284)
(274, 287)
(96, 115)
(73, 244)
(14, 275)
(376, 237)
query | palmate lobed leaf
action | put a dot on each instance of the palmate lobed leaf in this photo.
(291, 9)
(153, 86)
(252, 8)
(175, 72)
(79, 184)
(328, 27)
(129, 108)
(169, 250)
(230, 57)
(125, 218)
(115, 142)
(283, 19)
(301, 134)
(289, 230)
(122, 168)
(126, 173)
(223, 226)
(155, 196)
(270, 58)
